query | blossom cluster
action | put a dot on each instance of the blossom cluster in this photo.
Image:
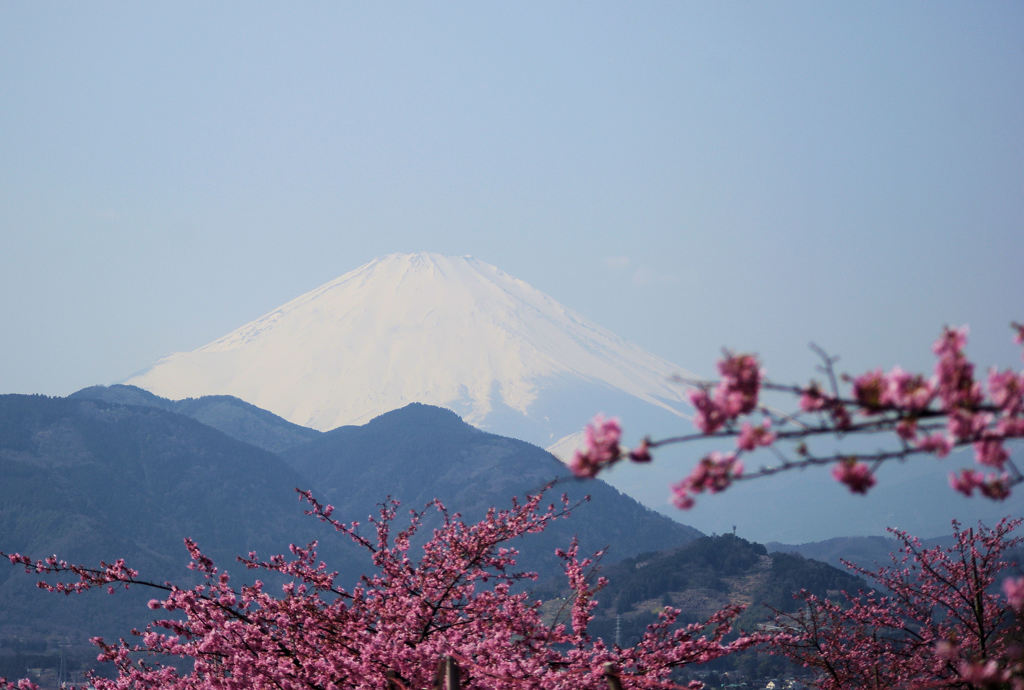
(933, 619)
(734, 395)
(921, 414)
(458, 600)
(602, 447)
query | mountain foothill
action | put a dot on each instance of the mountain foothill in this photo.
(117, 472)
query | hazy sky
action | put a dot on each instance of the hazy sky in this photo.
(690, 175)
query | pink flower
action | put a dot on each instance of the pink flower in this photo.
(753, 436)
(937, 443)
(911, 391)
(954, 373)
(996, 487)
(601, 447)
(868, 389)
(1006, 390)
(982, 673)
(907, 429)
(681, 497)
(1010, 426)
(855, 474)
(715, 472)
(709, 417)
(947, 651)
(737, 393)
(812, 400)
(582, 465)
(840, 415)
(990, 452)
(604, 433)
(967, 481)
(1013, 588)
(964, 425)
(951, 341)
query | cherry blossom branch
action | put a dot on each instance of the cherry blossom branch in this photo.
(911, 413)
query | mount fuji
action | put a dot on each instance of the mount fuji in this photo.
(458, 333)
(449, 331)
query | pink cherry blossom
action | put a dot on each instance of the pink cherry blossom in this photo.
(990, 452)
(682, 497)
(753, 436)
(812, 399)
(737, 393)
(601, 447)
(909, 391)
(937, 443)
(856, 475)
(714, 473)
(709, 418)
(996, 487)
(869, 390)
(1013, 588)
(1006, 388)
(952, 341)
(966, 481)
(907, 429)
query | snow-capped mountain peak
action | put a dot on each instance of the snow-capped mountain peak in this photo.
(423, 327)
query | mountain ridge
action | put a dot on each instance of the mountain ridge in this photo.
(420, 452)
(227, 413)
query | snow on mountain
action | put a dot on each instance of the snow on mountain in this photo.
(449, 331)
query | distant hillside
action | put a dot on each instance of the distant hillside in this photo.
(90, 480)
(236, 418)
(865, 551)
(874, 552)
(419, 453)
(702, 577)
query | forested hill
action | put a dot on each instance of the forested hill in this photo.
(702, 577)
(420, 452)
(92, 481)
(236, 418)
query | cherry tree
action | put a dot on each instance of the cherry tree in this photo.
(934, 619)
(457, 601)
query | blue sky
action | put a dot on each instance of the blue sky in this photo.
(689, 175)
